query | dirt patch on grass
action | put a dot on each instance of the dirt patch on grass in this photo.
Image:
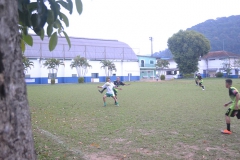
(146, 132)
(146, 151)
(117, 140)
(184, 151)
(103, 156)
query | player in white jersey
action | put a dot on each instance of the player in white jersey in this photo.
(110, 93)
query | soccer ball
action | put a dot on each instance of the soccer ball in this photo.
(107, 84)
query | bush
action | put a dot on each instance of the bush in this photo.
(52, 81)
(219, 74)
(162, 77)
(188, 75)
(81, 80)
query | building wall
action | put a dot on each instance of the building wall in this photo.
(212, 66)
(172, 64)
(127, 71)
(148, 70)
(147, 60)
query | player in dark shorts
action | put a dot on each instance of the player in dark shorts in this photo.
(200, 81)
(233, 110)
(117, 83)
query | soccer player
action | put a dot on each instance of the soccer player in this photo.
(116, 83)
(110, 93)
(233, 110)
(196, 79)
(200, 81)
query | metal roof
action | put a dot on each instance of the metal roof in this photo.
(92, 49)
(220, 54)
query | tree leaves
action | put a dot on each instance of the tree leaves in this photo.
(23, 45)
(109, 66)
(53, 41)
(187, 47)
(35, 15)
(65, 19)
(49, 30)
(50, 18)
(70, 6)
(81, 64)
(161, 63)
(52, 63)
(79, 6)
(27, 63)
(67, 38)
(27, 39)
(64, 4)
(41, 34)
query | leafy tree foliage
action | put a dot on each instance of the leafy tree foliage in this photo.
(223, 33)
(35, 15)
(53, 64)
(227, 67)
(81, 64)
(109, 66)
(187, 47)
(27, 63)
(161, 63)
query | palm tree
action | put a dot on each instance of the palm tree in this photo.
(161, 64)
(27, 63)
(109, 66)
(81, 64)
(53, 64)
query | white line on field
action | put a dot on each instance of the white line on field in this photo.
(58, 140)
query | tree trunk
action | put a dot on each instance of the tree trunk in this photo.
(16, 141)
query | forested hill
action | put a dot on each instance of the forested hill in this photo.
(223, 33)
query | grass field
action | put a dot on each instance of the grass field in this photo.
(155, 120)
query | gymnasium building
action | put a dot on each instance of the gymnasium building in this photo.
(94, 50)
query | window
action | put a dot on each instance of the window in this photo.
(94, 75)
(74, 75)
(151, 61)
(142, 63)
(52, 75)
(27, 76)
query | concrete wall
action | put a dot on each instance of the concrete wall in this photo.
(213, 63)
(127, 71)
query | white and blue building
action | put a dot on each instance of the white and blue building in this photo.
(94, 50)
(210, 64)
(147, 65)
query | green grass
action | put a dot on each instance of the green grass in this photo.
(156, 120)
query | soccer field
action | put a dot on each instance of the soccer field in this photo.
(155, 120)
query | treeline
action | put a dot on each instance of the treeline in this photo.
(223, 34)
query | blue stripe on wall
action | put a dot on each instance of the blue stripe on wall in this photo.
(75, 79)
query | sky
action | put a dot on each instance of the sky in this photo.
(134, 21)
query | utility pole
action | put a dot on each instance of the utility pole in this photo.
(151, 39)
(223, 44)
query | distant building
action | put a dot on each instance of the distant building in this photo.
(147, 65)
(217, 61)
(94, 50)
(210, 64)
